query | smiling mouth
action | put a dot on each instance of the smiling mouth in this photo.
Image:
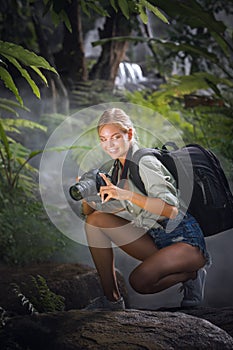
(113, 150)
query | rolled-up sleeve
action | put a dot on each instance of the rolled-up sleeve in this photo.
(158, 181)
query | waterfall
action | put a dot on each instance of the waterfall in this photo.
(129, 76)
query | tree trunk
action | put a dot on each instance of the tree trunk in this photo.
(73, 55)
(113, 52)
(57, 91)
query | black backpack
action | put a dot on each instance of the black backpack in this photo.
(201, 181)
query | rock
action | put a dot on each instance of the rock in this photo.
(120, 330)
(77, 283)
(222, 318)
(197, 328)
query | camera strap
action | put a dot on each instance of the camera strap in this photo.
(124, 173)
(116, 167)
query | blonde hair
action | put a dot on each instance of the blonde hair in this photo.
(118, 117)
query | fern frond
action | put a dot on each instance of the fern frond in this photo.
(24, 300)
(9, 83)
(24, 74)
(22, 123)
(10, 106)
(26, 57)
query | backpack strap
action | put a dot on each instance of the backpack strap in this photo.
(134, 166)
(169, 159)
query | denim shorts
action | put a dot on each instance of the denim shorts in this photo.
(184, 228)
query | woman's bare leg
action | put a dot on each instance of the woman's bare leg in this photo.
(101, 230)
(167, 267)
(159, 270)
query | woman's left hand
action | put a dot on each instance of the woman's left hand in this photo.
(111, 191)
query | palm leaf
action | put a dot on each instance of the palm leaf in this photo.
(23, 123)
(24, 74)
(123, 4)
(12, 103)
(189, 11)
(154, 10)
(143, 14)
(9, 83)
(41, 75)
(113, 4)
(171, 45)
(8, 109)
(4, 140)
(184, 85)
(25, 56)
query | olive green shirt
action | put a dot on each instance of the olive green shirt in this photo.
(158, 182)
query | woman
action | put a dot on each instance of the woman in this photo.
(167, 258)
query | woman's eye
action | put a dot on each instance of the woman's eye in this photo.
(113, 138)
(116, 137)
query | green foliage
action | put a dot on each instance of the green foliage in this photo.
(58, 13)
(15, 171)
(93, 5)
(26, 235)
(44, 299)
(193, 14)
(18, 56)
(144, 5)
(204, 119)
(38, 298)
(197, 34)
(127, 7)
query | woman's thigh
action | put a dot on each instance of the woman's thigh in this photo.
(133, 240)
(176, 258)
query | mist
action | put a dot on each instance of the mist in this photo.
(219, 283)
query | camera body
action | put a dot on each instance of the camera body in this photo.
(88, 186)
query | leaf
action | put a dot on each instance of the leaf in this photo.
(58, 14)
(35, 153)
(136, 39)
(222, 43)
(24, 74)
(83, 4)
(171, 45)
(15, 104)
(192, 13)
(199, 51)
(64, 18)
(123, 4)
(8, 109)
(155, 11)
(24, 123)
(113, 4)
(98, 9)
(48, 6)
(41, 75)
(27, 57)
(5, 141)
(143, 14)
(18, 150)
(9, 83)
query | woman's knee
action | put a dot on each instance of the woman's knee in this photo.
(140, 281)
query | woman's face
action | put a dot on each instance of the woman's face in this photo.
(114, 141)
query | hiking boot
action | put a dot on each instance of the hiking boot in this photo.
(103, 303)
(194, 290)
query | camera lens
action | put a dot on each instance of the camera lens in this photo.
(75, 193)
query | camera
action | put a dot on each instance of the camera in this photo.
(88, 186)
